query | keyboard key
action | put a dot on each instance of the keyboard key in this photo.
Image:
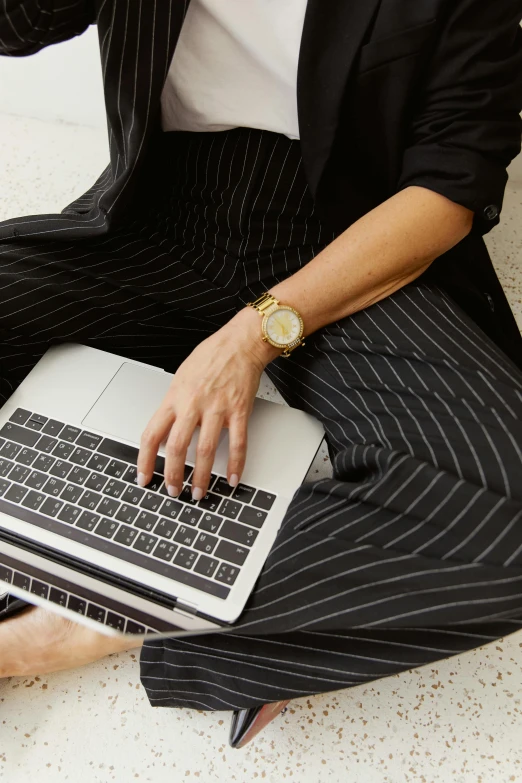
(165, 550)
(107, 528)
(222, 487)
(4, 486)
(186, 496)
(34, 424)
(80, 456)
(89, 499)
(71, 493)
(16, 493)
(128, 514)
(133, 627)
(46, 444)
(37, 418)
(108, 507)
(96, 613)
(54, 487)
(10, 450)
(166, 528)
(146, 520)
(33, 500)
(36, 480)
(145, 543)
(133, 495)
(69, 433)
(206, 566)
(43, 462)
(6, 575)
(239, 533)
(20, 416)
(78, 475)
(115, 469)
(5, 466)
(40, 588)
(51, 507)
(69, 514)
(114, 488)
(190, 516)
(185, 557)
(210, 502)
(230, 508)
(88, 440)
(210, 523)
(22, 581)
(252, 516)
(227, 574)
(53, 427)
(185, 535)
(151, 501)
(171, 508)
(112, 448)
(19, 473)
(26, 456)
(130, 474)
(244, 493)
(155, 482)
(2, 442)
(60, 469)
(226, 550)
(87, 521)
(263, 500)
(206, 543)
(96, 481)
(98, 462)
(63, 450)
(58, 596)
(126, 535)
(115, 621)
(77, 605)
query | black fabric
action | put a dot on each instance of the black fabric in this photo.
(412, 551)
(391, 93)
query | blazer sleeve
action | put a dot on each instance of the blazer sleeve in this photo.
(466, 126)
(26, 26)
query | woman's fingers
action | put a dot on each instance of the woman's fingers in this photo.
(238, 430)
(176, 451)
(154, 433)
(207, 444)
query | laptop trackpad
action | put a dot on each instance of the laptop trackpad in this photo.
(128, 403)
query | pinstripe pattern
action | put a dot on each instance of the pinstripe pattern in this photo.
(412, 551)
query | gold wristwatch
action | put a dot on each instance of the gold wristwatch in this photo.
(282, 326)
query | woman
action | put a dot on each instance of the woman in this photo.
(347, 160)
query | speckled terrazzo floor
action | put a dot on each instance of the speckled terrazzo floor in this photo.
(458, 721)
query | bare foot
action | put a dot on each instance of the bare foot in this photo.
(37, 641)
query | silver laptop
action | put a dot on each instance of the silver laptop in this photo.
(79, 536)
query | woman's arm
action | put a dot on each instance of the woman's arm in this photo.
(216, 385)
(383, 251)
(26, 26)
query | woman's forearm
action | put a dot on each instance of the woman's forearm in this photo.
(383, 251)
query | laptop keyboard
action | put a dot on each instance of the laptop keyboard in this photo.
(83, 486)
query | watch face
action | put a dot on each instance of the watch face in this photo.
(283, 326)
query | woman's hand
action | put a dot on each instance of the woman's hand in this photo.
(215, 387)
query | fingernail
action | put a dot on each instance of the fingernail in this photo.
(234, 480)
(142, 480)
(173, 491)
(197, 493)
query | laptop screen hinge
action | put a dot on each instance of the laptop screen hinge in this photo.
(185, 607)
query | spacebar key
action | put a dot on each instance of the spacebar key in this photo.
(111, 448)
(20, 434)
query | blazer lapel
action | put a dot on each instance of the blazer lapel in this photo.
(332, 36)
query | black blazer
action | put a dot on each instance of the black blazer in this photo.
(391, 93)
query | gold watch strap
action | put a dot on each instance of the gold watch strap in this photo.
(263, 302)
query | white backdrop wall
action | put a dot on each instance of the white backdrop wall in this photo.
(63, 83)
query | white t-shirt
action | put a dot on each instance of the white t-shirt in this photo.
(235, 65)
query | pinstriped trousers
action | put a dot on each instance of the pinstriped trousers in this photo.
(412, 551)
